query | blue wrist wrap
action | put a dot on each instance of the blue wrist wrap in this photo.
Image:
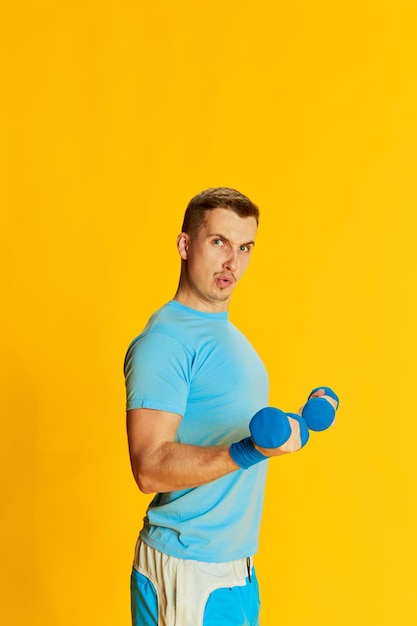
(245, 454)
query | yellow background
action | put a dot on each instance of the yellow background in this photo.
(113, 115)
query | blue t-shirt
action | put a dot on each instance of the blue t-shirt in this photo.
(199, 366)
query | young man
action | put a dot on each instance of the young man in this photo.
(193, 384)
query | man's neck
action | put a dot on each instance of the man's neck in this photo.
(187, 297)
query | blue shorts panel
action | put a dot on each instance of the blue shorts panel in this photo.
(144, 600)
(234, 606)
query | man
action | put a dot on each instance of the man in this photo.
(193, 384)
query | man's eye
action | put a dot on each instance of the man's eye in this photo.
(218, 242)
(244, 248)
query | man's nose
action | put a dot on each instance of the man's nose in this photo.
(231, 260)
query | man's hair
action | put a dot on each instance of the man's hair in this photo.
(216, 198)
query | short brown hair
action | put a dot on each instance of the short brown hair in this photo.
(216, 198)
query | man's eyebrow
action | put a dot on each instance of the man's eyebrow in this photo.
(220, 236)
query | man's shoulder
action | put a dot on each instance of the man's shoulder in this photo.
(166, 320)
(190, 328)
(165, 329)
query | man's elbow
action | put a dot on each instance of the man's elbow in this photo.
(145, 487)
(144, 481)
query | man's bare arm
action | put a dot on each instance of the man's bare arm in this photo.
(160, 464)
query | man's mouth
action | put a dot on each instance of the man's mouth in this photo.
(224, 281)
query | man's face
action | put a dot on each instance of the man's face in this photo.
(215, 259)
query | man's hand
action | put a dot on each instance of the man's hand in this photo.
(292, 444)
(320, 410)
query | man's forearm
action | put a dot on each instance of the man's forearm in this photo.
(174, 466)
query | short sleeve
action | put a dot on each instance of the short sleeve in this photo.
(157, 374)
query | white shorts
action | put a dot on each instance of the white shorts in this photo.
(183, 588)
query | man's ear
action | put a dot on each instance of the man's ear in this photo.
(182, 244)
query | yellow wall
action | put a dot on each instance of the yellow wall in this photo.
(115, 114)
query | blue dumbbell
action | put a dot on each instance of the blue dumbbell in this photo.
(270, 428)
(318, 412)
